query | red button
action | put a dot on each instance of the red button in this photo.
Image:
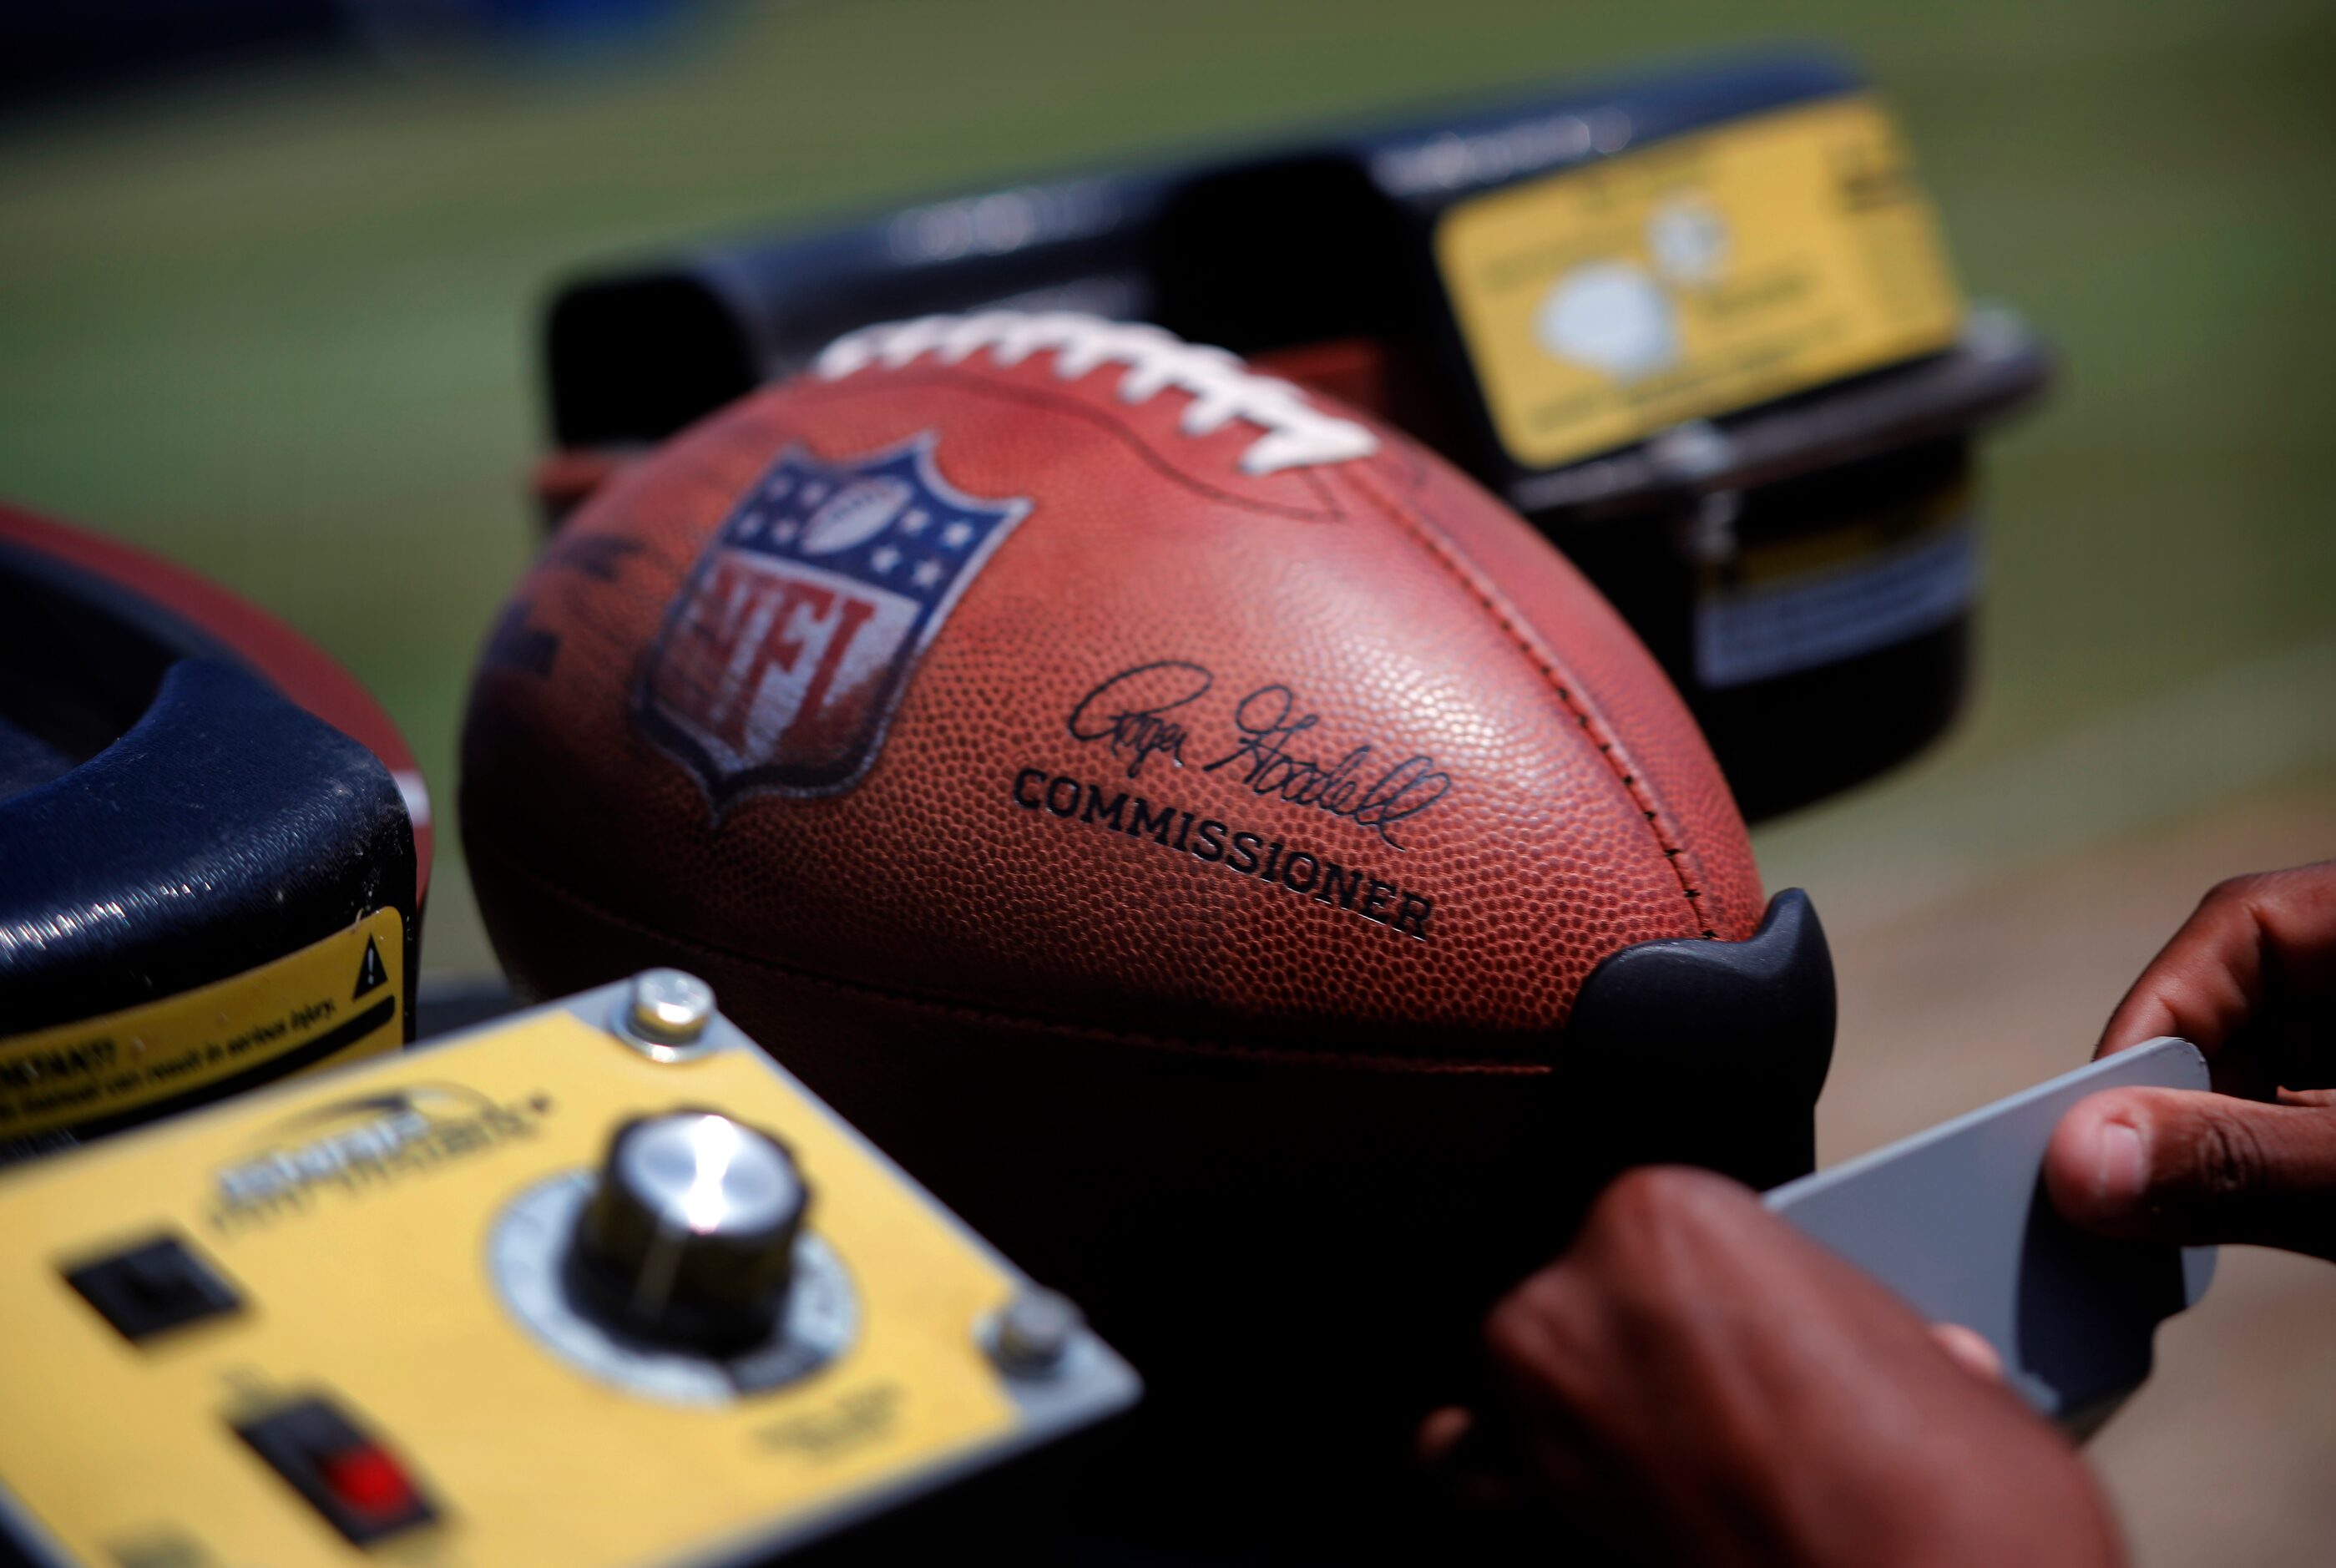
(367, 1481)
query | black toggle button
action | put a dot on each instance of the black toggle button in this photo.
(358, 1486)
(156, 1285)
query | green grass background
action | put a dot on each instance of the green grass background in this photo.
(281, 326)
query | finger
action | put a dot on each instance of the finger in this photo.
(1464, 1453)
(1440, 1435)
(2247, 937)
(2188, 1167)
(1696, 1371)
(1969, 1349)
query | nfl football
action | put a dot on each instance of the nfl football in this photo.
(1174, 815)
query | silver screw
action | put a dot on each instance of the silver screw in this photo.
(1035, 1331)
(1707, 538)
(1694, 451)
(669, 1008)
(1993, 331)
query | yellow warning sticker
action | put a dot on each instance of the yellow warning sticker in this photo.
(1698, 275)
(332, 1002)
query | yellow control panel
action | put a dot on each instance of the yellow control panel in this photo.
(601, 1284)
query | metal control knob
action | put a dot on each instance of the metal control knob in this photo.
(690, 1236)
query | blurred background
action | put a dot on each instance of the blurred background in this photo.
(271, 276)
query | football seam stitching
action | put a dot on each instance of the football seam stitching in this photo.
(1065, 402)
(1223, 388)
(1415, 520)
(1173, 1044)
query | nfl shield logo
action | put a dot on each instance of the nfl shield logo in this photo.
(783, 657)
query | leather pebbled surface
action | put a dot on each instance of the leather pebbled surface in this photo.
(1402, 606)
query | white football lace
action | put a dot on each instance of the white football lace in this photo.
(1297, 434)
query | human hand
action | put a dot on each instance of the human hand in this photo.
(2251, 981)
(1695, 1381)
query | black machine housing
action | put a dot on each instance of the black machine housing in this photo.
(170, 818)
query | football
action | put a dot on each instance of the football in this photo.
(1173, 814)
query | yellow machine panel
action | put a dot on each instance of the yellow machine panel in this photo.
(1701, 274)
(562, 1291)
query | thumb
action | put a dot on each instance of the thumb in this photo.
(2192, 1167)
